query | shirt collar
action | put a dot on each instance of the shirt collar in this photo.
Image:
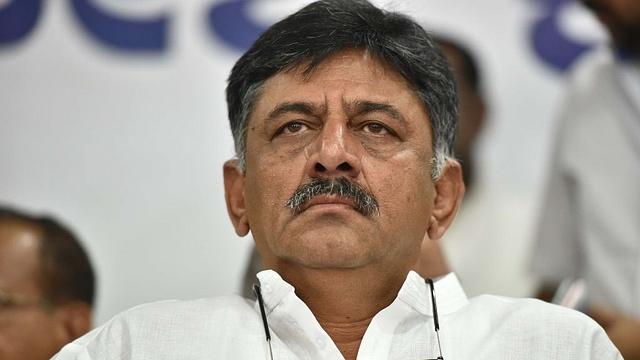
(450, 296)
(292, 323)
(273, 288)
(415, 292)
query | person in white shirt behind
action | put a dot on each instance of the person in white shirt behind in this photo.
(488, 244)
(588, 228)
(344, 120)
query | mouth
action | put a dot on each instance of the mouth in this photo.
(333, 193)
(330, 201)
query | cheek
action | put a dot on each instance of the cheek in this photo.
(406, 188)
(269, 184)
(259, 199)
(31, 336)
(418, 194)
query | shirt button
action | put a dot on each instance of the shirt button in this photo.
(320, 343)
(266, 288)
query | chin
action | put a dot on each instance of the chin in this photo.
(327, 253)
(321, 244)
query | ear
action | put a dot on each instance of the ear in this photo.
(75, 318)
(449, 193)
(234, 196)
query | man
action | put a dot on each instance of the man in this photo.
(344, 121)
(46, 287)
(589, 226)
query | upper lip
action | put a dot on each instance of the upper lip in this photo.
(328, 200)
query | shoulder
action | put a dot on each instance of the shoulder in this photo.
(154, 328)
(592, 75)
(546, 328)
(171, 309)
(590, 64)
(531, 311)
(590, 99)
(173, 315)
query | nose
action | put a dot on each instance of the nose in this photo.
(335, 152)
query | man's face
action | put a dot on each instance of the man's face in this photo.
(27, 329)
(354, 118)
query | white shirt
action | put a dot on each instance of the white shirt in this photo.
(230, 327)
(590, 221)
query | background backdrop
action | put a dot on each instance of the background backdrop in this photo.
(112, 117)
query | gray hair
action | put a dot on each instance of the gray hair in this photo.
(326, 27)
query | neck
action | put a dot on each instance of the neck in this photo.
(344, 301)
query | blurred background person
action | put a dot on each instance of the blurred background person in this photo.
(46, 287)
(588, 227)
(492, 220)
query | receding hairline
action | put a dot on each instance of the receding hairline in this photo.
(27, 225)
(38, 235)
(60, 278)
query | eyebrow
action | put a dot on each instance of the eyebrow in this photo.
(300, 107)
(356, 108)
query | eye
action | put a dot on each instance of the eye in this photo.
(292, 128)
(376, 128)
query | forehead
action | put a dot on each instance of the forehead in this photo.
(350, 75)
(19, 255)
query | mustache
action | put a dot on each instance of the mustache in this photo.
(343, 187)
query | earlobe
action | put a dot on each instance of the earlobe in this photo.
(449, 192)
(234, 196)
